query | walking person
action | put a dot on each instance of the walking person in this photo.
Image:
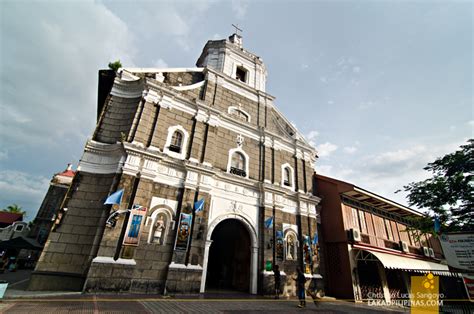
(300, 281)
(276, 274)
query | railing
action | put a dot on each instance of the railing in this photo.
(174, 148)
(238, 172)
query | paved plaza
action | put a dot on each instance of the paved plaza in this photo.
(136, 304)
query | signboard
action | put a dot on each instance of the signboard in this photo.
(184, 231)
(458, 249)
(132, 235)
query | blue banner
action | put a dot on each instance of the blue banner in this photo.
(269, 223)
(199, 205)
(114, 198)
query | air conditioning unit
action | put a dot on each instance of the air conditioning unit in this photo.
(354, 235)
(426, 251)
(431, 252)
(404, 246)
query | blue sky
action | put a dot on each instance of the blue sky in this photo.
(380, 87)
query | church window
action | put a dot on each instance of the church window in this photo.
(241, 74)
(239, 114)
(291, 244)
(238, 164)
(176, 142)
(287, 176)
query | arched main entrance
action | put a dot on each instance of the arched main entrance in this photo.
(229, 260)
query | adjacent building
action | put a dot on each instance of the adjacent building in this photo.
(368, 252)
(217, 185)
(12, 226)
(51, 203)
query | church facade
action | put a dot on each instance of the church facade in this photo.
(217, 186)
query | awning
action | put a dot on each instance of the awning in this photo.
(391, 261)
(21, 243)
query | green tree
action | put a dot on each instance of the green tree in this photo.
(448, 194)
(14, 208)
(115, 65)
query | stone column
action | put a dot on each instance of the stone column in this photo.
(204, 266)
(254, 270)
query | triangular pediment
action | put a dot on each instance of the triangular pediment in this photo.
(280, 125)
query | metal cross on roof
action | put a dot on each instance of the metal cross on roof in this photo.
(237, 29)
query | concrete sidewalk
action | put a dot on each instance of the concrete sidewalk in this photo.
(53, 302)
(134, 304)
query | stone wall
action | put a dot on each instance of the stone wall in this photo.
(69, 249)
(49, 207)
(151, 260)
(116, 120)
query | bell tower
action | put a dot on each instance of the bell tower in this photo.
(230, 58)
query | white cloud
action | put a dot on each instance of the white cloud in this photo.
(326, 149)
(325, 170)
(384, 173)
(304, 66)
(311, 136)
(3, 155)
(59, 55)
(160, 63)
(330, 102)
(240, 8)
(350, 149)
(323, 79)
(356, 69)
(365, 105)
(9, 113)
(399, 156)
(23, 189)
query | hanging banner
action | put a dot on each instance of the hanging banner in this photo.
(469, 284)
(315, 249)
(458, 250)
(137, 216)
(307, 254)
(279, 245)
(184, 231)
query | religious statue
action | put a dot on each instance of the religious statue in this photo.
(290, 249)
(159, 229)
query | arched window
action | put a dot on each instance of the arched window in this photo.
(241, 74)
(238, 164)
(286, 177)
(239, 113)
(176, 142)
(291, 245)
